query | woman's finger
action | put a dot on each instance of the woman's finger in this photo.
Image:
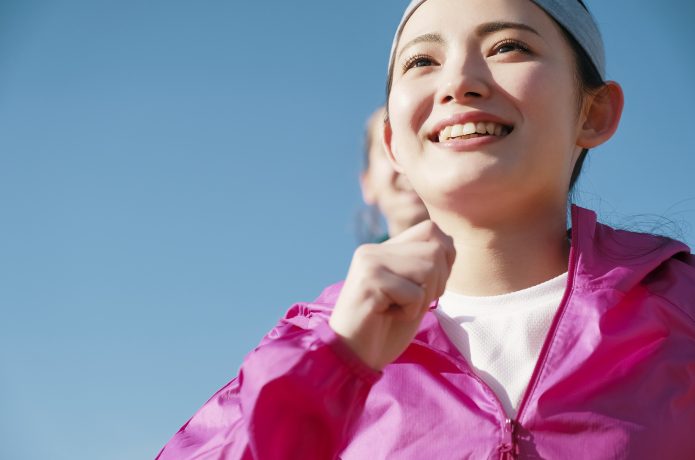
(405, 297)
(420, 232)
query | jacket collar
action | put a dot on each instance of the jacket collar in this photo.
(600, 258)
(618, 259)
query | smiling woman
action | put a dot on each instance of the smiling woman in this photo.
(489, 331)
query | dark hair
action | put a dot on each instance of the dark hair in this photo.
(587, 77)
(588, 81)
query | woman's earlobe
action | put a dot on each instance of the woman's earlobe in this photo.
(602, 117)
(387, 140)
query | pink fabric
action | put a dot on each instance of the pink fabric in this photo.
(615, 379)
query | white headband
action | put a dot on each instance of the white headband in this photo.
(570, 14)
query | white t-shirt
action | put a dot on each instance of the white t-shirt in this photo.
(501, 336)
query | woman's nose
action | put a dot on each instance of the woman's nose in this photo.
(464, 79)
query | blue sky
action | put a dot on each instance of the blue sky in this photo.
(175, 174)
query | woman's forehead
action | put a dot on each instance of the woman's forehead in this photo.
(460, 16)
(469, 17)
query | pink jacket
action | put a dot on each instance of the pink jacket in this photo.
(615, 378)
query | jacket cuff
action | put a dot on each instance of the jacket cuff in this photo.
(328, 336)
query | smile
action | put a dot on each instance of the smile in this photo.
(471, 130)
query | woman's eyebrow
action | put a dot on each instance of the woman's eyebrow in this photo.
(482, 30)
(428, 38)
(492, 27)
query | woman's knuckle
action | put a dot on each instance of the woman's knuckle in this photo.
(430, 228)
(430, 266)
(363, 251)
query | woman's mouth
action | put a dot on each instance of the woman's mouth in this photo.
(471, 130)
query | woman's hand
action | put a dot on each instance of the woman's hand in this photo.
(388, 290)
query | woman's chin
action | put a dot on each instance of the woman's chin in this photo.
(475, 199)
(460, 184)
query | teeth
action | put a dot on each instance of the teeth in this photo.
(468, 128)
(445, 134)
(486, 128)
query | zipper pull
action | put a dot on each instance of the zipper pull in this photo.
(509, 450)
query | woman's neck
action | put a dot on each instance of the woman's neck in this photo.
(524, 250)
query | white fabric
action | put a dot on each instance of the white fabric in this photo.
(501, 336)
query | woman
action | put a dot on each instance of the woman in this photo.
(492, 105)
(386, 191)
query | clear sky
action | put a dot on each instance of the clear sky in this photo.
(175, 174)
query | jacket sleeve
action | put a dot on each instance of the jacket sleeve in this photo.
(297, 395)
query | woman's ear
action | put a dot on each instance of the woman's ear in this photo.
(389, 148)
(602, 115)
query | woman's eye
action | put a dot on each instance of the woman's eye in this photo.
(417, 61)
(508, 46)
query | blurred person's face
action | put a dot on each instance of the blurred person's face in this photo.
(388, 190)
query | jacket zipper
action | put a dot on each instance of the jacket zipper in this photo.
(509, 449)
(549, 338)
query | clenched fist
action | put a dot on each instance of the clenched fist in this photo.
(388, 290)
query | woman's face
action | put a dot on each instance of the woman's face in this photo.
(388, 190)
(483, 113)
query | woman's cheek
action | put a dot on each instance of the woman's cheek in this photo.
(412, 102)
(541, 88)
(516, 78)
